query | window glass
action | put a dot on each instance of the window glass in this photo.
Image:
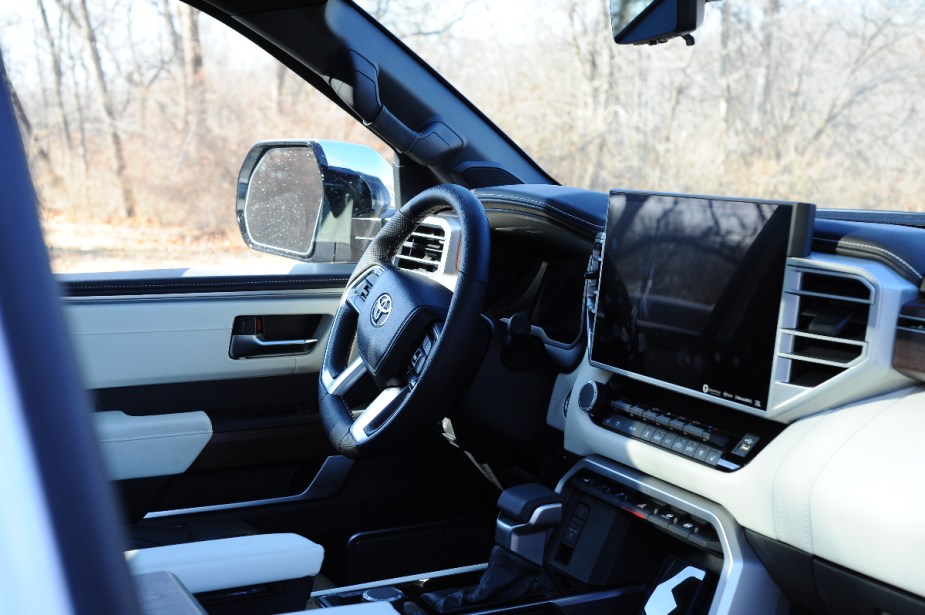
(137, 117)
(810, 100)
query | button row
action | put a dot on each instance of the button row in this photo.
(689, 447)
(416, 365)
(709, 435)
(674, 521)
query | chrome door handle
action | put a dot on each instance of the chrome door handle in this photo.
(249, 346)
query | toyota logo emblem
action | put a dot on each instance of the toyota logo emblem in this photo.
(381, 310)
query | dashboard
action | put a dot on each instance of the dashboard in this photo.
(842, 422)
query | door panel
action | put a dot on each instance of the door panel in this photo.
(138, 341)
(153, 353)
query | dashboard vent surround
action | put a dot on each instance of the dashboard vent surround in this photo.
(423, 250)
(829, 328)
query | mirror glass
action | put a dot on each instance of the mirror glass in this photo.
(622, 12)
(284, 200)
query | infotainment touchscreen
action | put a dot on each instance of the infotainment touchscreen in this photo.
(690, 291)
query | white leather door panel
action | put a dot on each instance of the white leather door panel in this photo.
(154, 445)
(138, 341)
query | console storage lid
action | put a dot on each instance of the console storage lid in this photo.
(212, 565)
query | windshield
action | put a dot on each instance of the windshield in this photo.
(814, 100)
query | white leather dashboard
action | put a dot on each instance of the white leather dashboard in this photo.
(824, 485)
(166, 339)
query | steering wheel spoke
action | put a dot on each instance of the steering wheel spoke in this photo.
(343, 382)
(378, 412)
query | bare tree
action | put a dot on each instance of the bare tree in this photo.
(82, 21)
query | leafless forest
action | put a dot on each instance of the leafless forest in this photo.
(138, 113)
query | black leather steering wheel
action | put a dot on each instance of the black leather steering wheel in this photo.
(411, 331)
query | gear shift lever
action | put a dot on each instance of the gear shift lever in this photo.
(526, 514)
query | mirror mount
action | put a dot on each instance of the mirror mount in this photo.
(655, 22)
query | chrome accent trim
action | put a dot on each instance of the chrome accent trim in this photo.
(744, 585)
(330, 478)
(346, 379)
(436, 574)
(383, 403)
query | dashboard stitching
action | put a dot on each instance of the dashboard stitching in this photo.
(541, 204)
(805, 490)
(861, 246)
(861, 424)
(776, 498)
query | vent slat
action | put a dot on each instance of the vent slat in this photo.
(423, 250)
(831, 326)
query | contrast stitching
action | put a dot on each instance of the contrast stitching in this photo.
(541, 204)
(862, 247)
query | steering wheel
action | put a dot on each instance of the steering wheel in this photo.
(410, 330)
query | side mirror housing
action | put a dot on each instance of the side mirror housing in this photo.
(654, 22)
(313, 201)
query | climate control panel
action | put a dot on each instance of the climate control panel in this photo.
(726, 447)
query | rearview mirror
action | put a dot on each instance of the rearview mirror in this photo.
(317, 201)
(639, 22)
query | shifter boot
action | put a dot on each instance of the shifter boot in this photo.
(508, 577)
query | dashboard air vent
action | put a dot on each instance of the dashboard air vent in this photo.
(423, 250)
(830, 328)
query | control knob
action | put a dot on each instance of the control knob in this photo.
(592, 397)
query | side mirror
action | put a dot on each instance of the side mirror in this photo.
(639, 22)
(314, 201)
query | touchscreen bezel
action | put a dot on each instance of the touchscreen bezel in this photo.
(799, 244)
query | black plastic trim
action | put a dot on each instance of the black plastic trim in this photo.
(212, 284)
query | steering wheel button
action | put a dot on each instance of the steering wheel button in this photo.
(679, 444)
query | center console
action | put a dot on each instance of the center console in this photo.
(626, 543)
